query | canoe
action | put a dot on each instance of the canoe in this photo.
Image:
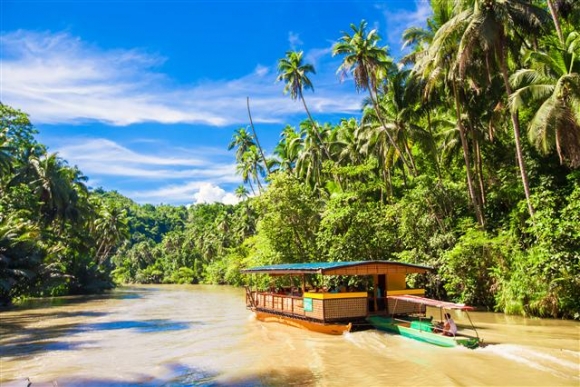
(421, 331)
(413, 322)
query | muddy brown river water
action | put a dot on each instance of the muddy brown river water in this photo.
(204, 336)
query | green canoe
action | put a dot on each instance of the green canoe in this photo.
(420, 328)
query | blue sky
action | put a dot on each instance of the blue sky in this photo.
(144, 96)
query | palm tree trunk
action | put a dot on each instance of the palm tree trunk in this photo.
(479, 169)
(374, 99)
(556, 21)
(465, 147)
(435, 158)
(256, 135)
(516, 126)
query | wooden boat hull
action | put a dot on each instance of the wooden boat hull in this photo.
(389, 325)
(331, 329)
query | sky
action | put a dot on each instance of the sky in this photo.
(144, 96)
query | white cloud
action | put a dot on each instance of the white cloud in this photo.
(58, 78)
(209, 193)
(399, 20)
(196, 192)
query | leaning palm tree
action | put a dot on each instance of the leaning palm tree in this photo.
(553, 79)
(369, 65)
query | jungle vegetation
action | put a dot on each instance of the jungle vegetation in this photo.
(465, 157)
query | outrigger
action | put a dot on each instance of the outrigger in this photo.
(413, 322)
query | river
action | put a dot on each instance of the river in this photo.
(204, 336)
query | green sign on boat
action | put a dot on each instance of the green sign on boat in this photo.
(308, 304)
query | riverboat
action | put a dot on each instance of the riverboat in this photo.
(409, 319)
(330, 312)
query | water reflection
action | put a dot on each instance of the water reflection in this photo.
(143, 326)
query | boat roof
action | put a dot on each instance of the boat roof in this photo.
(340, 268)
(431, 302)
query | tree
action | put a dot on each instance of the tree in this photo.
(492, 26)
(111, 230)
(553, 79)
(294, 72)
(242, 141)
(369, 65)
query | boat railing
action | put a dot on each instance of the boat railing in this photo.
(280, 302)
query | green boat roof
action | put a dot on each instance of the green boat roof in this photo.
(339, 268)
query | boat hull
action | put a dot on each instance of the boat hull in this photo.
(389, 325)
(327, 328)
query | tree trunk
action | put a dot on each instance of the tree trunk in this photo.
(256, 136)
(556, 21)
(465, 147)
(516, 127)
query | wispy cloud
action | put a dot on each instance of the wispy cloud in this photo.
(175, 175)
(294, 40)
(58, 78)
(398, 21)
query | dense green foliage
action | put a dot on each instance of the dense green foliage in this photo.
(466, 159)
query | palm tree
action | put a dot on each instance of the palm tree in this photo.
(111, 228)
(241, 192)
(287, 149)
(242, 140)
(435, 71)
(51, 186)
(492, 26)
(294, 72)
(310, 159)
(553, 79)
(369, 65)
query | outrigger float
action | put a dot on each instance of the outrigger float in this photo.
(342, 311)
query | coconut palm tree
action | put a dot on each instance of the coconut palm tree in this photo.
(111, 228)
(491, 28)
(241, 192)
(553, 79)
(294, 72)
(287, 149)
(242, 140)
(369, 65)
(437, 75)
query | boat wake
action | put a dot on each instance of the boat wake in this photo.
(565, 365)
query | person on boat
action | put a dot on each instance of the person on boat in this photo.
(449, 328)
